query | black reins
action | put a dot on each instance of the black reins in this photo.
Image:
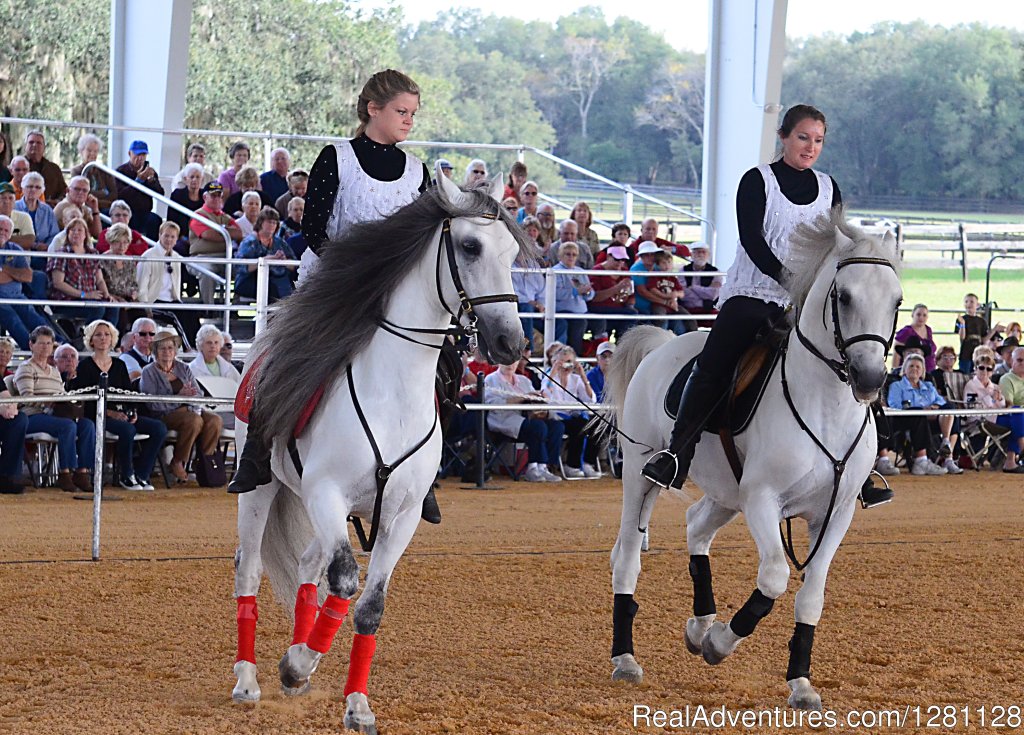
(466, 303)
(841, 368)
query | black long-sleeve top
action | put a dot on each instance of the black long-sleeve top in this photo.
(379, 161)
(88, 376)
(799, 187)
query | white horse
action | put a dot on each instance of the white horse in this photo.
(365, 329)
(816, 402)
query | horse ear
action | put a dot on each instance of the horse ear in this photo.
(842, 241)
(498, 187)
(449, 192)
(889, 241)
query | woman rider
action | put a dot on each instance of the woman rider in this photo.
(772, 200)
(364, 179)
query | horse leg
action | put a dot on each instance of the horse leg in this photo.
(390, 545)
(311, 567)
(762, 516)
(253, 511)
(637, 506)
(301, 659)
(703, 520)
(810, 599)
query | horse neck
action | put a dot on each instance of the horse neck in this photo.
(414, 304)
(819, 332)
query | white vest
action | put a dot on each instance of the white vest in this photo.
(781, 218)
(362, 198)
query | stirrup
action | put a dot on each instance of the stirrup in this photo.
(888, 494)
(648, 470)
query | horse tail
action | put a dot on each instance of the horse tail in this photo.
(287, 534)
(635, 345)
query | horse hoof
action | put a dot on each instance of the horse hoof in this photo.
(718, 643)
(298, 691)
(358, 715)
(246, 690)
(696, 629)
(627, 669)
(803, 695)
(296, 666)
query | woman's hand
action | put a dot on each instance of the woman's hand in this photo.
(9, 410)
(117, 415)
(188, 390)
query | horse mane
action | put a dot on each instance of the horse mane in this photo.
(333, 316)
(814, 245)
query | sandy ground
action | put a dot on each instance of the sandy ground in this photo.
(499, 620)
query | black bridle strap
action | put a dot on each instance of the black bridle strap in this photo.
(838, 468)
(466, 303)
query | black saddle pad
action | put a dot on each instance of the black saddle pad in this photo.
(741, 409)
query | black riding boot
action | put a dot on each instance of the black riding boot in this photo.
(700, 398)
(253, 466)
(431, 513)
(870, 495)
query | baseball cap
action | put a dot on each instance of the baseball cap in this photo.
(699, 245)
(138, 146)
(648, 247)
(605, 347)
(618, 252)
(6, 187)
(444, 163)
(214, 187)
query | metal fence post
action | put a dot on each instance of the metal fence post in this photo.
(963, 252)
(481, 437)
(627, 205)
(549, 308)
(97, 473)
(262, 293)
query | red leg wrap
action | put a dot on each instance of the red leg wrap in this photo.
(331, 616)
(359, 662)
(246, 618)
(305, 613)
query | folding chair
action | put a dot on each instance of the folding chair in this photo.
(46, 465)
(220, 387)
(984, 440)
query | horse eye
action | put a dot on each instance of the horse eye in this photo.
(844, 298)
(471, 246)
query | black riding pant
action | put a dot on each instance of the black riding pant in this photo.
(738, 323)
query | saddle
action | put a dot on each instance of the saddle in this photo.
(246, 396)
(745, 390)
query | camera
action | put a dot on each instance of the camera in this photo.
(568, 365)
(906, 405)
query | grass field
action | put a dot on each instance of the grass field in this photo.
(942, 289)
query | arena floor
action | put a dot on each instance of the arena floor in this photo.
(498, 621)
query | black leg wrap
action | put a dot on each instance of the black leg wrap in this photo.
(800, 652)
(703, 595)
(756, 607)
(622, 624)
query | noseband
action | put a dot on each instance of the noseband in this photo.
(841, 367)
(466, 303)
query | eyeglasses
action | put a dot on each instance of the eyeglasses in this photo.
(147, 334)
(480, 173)
(170, 268)
(227, 346)
(529, 194)
(545, 215)
(985, 368)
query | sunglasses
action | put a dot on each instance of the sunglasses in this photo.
(480, 173)
(147, 334)
(512, 209)
(170, 268)
(227, 346)
(985, 368)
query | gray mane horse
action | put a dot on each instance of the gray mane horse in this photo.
(365, 329)
(806, 452)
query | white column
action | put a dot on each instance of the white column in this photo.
(149, 42)
(746, 46)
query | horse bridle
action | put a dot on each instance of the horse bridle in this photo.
(841, 367)
(466, 302)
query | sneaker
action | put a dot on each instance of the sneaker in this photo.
(884, 466)
(549, 476)
(924, 466)
(534, 474)
(589, 472)
(130, 483)
(573, 473)
(952, 467)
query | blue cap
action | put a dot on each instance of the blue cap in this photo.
(137, 147)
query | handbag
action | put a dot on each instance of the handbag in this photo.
(68, 410)
(210, 471)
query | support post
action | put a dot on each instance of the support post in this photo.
(481, 436)
(97, 473)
